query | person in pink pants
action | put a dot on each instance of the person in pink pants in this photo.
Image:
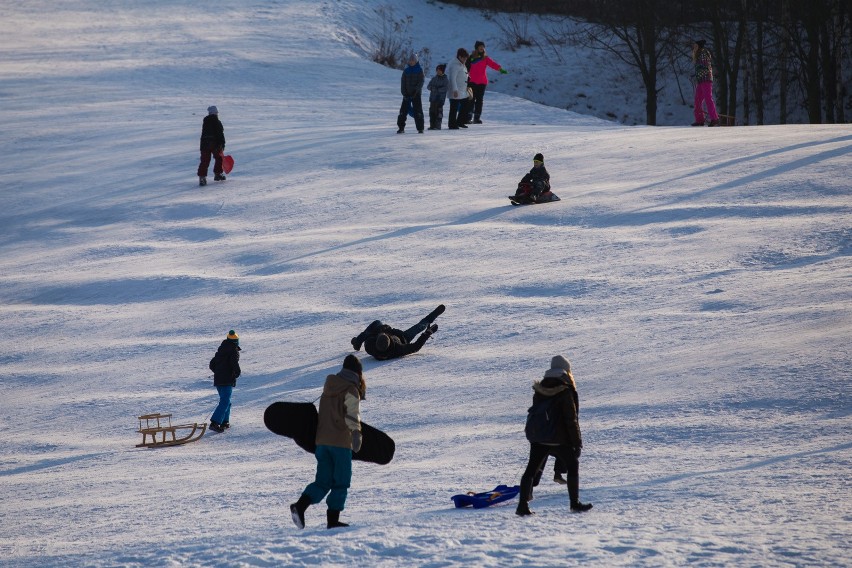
(703, 62)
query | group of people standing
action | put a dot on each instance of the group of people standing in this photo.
(463, 80)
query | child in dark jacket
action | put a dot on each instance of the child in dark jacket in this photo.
(226, 369)
(411, 85)
(385, 342)
(212, 144)
(535, 186)
(437, 87)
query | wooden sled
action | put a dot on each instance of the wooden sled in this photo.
(157, 423)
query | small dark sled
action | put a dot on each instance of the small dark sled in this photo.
(526, 200)
(481, 500)
(298, 420)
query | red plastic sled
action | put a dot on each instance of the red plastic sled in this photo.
(227, 163)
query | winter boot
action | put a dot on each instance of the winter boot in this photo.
(713, 123)
(297, 510)
(698, 123)
(523, 509)
(226, 425)
(202, 181)
(216, 426)
(334, 519)
(356, 345)
(557, 477)
(433, 315)
(574, 494)
(219, 177)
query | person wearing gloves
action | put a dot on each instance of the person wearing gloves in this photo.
(478, 65)
(385, 342)
(212, 144)
(226, 369)
(411, 85)
(564, 440)
(457, 90)
(338, 436)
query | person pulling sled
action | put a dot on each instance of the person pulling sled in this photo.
(535, 186)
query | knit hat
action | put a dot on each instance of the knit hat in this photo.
(560, 362)
(212, 109)
(477, 44)
(700, 42)
(538, 158)
(383, 341)
(413, 57)
(232, 336)
(442, 67)
(352, 363)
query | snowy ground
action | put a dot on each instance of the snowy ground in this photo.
(698, 279)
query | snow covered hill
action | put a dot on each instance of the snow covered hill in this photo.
(698, 280)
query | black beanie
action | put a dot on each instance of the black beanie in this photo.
(538, 158)
(353, 364)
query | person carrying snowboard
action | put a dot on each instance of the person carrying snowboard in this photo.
(535, 186)
(553, 429)
(411, 85)
(338, 436)
(212, 144)
(385, 342)
(226, 369)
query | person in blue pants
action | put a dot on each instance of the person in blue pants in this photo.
(226, 368)
(338, 436)
(385, 342)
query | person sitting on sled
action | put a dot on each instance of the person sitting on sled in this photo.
(535, 186)
(385, 342)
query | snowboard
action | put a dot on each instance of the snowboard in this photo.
(486, 499)
(298, 420)
(523, 200)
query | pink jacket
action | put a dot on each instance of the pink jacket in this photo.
(478, 68)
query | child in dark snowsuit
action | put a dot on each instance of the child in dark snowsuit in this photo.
(226, 369)
(535, 186)
(411, 85)
(384, 342)
(212, 144)
(437, 87)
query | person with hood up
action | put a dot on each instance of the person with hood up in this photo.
(457, 90)
(226, 369)
(703, 61)
(385, 342)
(565, 441)
(478, 65)
(338, 436)
(411, 85)
(212, 144)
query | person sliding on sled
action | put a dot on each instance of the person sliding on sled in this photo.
(553, 429)
(535, 186)
(338, 436)
(385, 342)
(226, 369)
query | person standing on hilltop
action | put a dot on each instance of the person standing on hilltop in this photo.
(703, 61)
(478, 65)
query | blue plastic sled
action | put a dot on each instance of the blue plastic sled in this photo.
(480, 500)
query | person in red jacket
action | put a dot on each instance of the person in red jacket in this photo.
(478, 65)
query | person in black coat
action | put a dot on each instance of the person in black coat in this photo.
(385, 342)
(566, 442)
(212, 144)
(535, 186)
(226, 369)
(411, 85)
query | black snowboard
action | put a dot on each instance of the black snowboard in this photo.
(523, 200)
(298, 420)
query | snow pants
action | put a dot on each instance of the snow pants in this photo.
(436, 114)
(538, 456)
(334, 475)
(410, 334)
(222, 413)
(475, 107)
(704, 95)
(417, 107)
(208, 150)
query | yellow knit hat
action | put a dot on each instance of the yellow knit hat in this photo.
(233, 335)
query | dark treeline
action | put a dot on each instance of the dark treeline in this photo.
(796, 52)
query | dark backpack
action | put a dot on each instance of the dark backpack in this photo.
(541, 421)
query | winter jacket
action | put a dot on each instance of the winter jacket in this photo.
(226, 364)
(411, 83)
(399, 346)
(339, 410)
(538, 174)
(437, 88)
(212, 132)
(557, 383)
(479, 66)
(457, 77)
(704, 66)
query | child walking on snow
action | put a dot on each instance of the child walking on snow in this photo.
(212, 144)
